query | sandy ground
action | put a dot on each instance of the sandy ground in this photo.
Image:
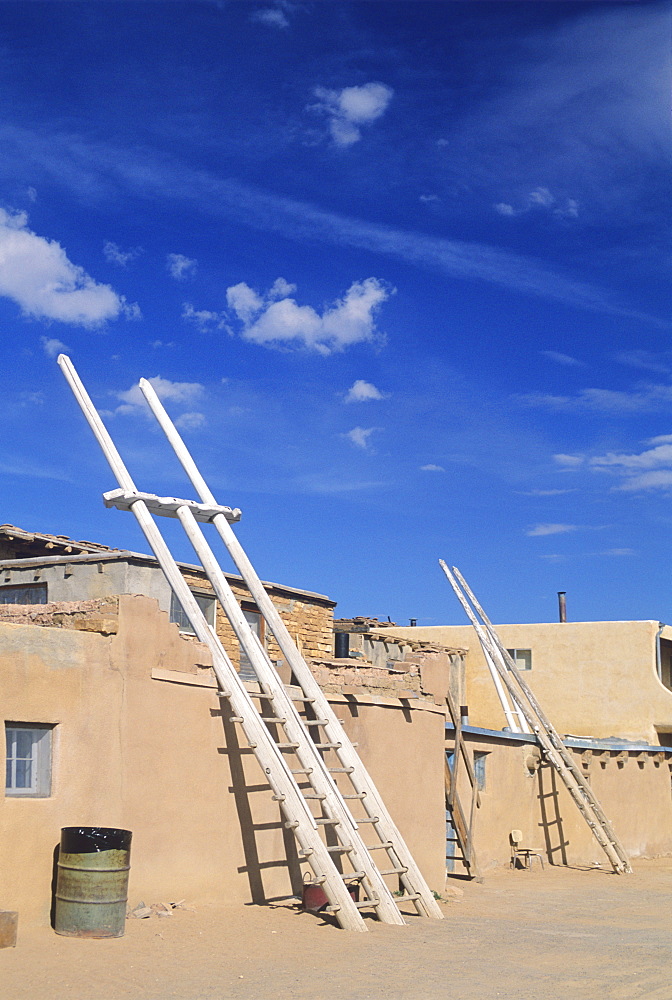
(560, 933)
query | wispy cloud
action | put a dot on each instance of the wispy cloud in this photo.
(540, 198)
(132, 400)
(363, 392)
(275, 319)
(205, 320)
(218, 197)
(544, 493)
(650, 469)
(432, 468)
(563, 359)
(648, 398)
(115, 255)
(190, 421)
(274, 16)
(180, 267)
(660, 362)
(359, 436)
(53, 347)
(539, 530)
(36, 273)
(351, 108)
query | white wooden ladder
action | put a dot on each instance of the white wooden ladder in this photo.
(325, 794)
(553, 749)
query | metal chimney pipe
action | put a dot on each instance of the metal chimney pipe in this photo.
(562, 605)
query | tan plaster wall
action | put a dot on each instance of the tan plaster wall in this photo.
(633, 789)
(160, 758)
(591, 678)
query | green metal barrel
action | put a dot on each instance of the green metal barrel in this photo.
(92, 882)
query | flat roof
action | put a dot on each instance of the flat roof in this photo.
(579, 742)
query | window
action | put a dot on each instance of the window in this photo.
(30, 593)
(521, 657)
(28, 768)
(179, 616)
(480, 757)
(255, 622)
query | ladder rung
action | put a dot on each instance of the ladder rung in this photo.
(326, 821)
(380, 847)
(392, 871)
(341, 770)
(314, 795)
(301, 697)
(328, 746)
(272, 718)
(236, 718)
(410, 895)
(356, 795)
(261, 695)
(287, 746)
(340, 848)
(291, 824)
(361, 904)
(316, 722)
(368, 819)
(278, 798)
(301, 770)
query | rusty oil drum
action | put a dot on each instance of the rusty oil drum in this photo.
(92, 882)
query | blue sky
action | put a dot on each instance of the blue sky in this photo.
(398, 270)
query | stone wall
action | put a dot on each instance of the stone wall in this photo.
(309, 620)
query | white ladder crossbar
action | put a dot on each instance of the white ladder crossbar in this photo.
(275, 730)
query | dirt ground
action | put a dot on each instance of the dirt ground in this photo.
(560, 933)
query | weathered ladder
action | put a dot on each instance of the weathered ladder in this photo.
(463, 827)
(275, 730)
(554, 750)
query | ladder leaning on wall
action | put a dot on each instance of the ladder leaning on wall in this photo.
(324, 791)
(528, 709)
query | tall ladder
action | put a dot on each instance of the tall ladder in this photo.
(554, 750)
(292, 745)
(462, 826)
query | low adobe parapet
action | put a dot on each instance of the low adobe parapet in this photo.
(100, 615)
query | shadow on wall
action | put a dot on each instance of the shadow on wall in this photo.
(551, 819)
(254, 864)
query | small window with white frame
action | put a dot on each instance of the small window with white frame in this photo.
(521, 657)
(179, 616)
(28, 759)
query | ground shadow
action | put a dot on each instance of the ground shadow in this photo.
(551, 819)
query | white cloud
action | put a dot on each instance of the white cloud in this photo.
(31, 193)
(650, 469)
(541, 196)
(179, 266)
(569, 461)
(647, 398)
(653, 458)
(562, 359)
(132, 400)
(350, 108)
(648, 360)
(36, 274)
(359, 436)
(655, 480)
(618, 552)
(190, 421)
(546, 493)
(273, 17)
(427, 198)
(362, 392)
(53, 347)
(204, 319)
(271, 321)
(115, 255)
(538, 530)
(432, 468)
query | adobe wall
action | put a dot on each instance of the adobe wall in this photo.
(633, 789)
(142, 742)
(591, 678)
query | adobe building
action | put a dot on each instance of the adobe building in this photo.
(112, 718)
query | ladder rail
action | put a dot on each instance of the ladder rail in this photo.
(293, 805)
(549, 739)
(425, 904)
(553, 735)
(294, 726)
